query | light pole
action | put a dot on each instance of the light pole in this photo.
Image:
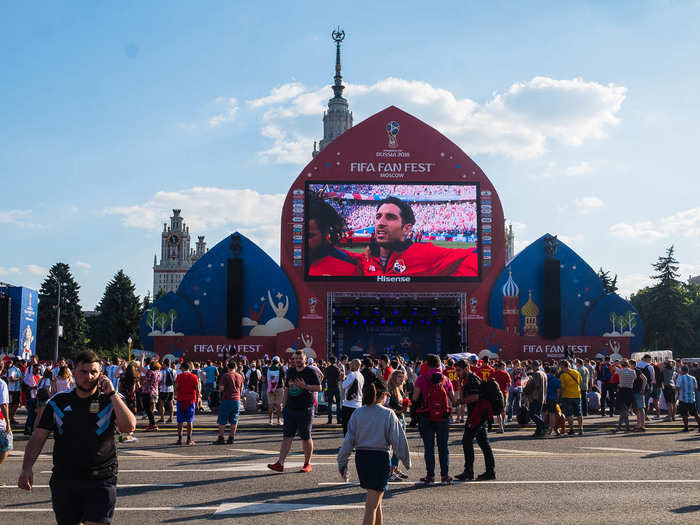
(58, 318)
(129, 341)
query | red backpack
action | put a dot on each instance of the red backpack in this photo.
(436, 406)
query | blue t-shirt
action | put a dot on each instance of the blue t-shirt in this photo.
(210, 371)
(553, 384)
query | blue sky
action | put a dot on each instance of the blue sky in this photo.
(584, 116)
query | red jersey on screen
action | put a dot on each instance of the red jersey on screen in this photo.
(425, 259)
(186, 387)
(335, 262)
(503, 379)
(485, 372)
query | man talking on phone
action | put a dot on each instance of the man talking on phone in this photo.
(84, 480)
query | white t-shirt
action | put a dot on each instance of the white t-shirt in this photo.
(357, 401)
(163, 387)
(14, 373)
(4, 400)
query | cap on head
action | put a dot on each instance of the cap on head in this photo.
(275, 359)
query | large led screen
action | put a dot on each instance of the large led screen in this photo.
(392, 232)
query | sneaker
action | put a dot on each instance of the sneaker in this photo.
(465, 476)
(276, 467)
(486, 476)
(179, 442)
(151, 428)
(400, 474)
(580, 432)
(219, 441)
(189, 443)
(394, 478)
(446, 480)
(129, 439)
(427, 480)
(571, 432)
(229, 441)
(170, 420)
(305, 468)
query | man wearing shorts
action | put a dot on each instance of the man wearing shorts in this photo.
(187, 393)
(571, 379)
(166, 391)
(230, 386)
(300, 383)
(84, 480)
(275, 389)
(686, 385)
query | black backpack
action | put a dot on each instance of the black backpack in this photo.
(523, 415)
(637, 385)
(169, 377)
(490, 391)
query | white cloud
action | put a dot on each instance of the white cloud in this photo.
(684, 223)
(518, 227)
(628, 284)
(83, 264)
(228, 113)
(571, 240)
(285, 150)
(18, 218)
(6, 271)
(578, 169)
(587, 204)
(256, 215)
(280, 94)
(35, 269)
(521, 244)
(518, 123)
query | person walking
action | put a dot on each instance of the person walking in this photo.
(300, 383)
(686, 386)
(230, 388)
(371, 430)
(166, 391)
(398, 402)
(535, 392)
(333, 376)
(6, 440)
(187, 394)
(571, 382)
(128, 388)
(275, 389)
(84, 479)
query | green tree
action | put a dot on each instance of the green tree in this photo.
(74, 327)
(146, 303)
(610, 284)
(119, 314)
(665, 308)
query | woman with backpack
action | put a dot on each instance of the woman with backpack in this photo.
(128, 386)
(371, 430)
(43, 393)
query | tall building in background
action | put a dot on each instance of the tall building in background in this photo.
(176, 256)
(510, 243)
(337, 118)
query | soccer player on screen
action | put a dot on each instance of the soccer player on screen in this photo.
(324, 231)
(392, 253)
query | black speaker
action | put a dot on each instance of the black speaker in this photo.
(551, 324)
(234, 298)
(4, 320)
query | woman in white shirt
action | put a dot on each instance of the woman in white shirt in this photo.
(63, 381)
(352, 388)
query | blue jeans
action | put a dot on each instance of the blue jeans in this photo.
(394, 457)
(534, 411)
(31, 416)
(430, 430)
(514, 401)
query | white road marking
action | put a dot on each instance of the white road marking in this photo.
(228, 509)
(256, 451)
(533, 482)
(152, 453)
(119, 486)
(290, 466)
(122, 509)
(622, 450)
(514, 451)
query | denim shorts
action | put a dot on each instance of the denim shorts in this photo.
(6, 441)
(228, 412)
(571, 406)
(638, 400)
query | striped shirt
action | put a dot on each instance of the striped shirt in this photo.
(687, 385)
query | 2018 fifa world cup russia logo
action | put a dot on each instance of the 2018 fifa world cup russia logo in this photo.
(392, 130)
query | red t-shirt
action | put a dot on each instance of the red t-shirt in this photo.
(387, 373)
(485, 372)
(451, 374)
(615, 379)
(187, 387)
(503, 379)
(233, 384)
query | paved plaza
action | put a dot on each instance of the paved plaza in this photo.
(601, 477)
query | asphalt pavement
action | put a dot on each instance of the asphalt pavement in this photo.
(600, 477)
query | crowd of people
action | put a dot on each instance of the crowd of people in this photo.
(452, 191)
(432, 218)
(373, 400)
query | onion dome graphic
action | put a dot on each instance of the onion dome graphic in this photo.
(530, 309)
(510, 289)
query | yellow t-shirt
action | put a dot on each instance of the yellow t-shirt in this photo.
(570, 383)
